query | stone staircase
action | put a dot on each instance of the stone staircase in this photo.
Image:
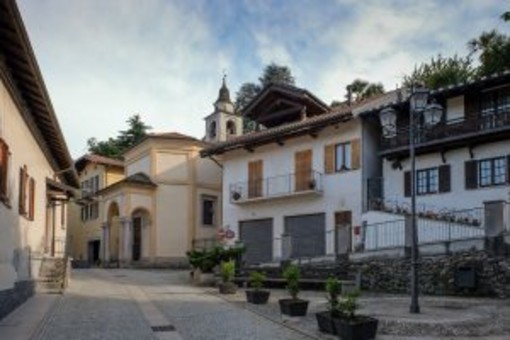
(53, 276)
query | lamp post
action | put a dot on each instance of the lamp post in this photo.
(432, 115)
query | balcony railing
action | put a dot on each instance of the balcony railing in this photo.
(309, 182)
(452, 128)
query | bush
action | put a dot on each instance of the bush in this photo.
(228, 270)
(257, 280)
(292, 274)
(333, 288)
(349, 304)
(206, 260)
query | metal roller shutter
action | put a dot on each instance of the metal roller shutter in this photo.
(307, 234)
(257, 236)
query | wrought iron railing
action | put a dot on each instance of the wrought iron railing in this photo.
(276, 186)
(449, 128)
(389, 234)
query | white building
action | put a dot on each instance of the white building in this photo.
(290, 187)
(462, 161)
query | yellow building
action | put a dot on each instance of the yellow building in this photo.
(85, 219)
(36, 173)
(168, 201)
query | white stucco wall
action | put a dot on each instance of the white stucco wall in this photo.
(141, 164)
(458, 197)
(342, 191)
(172, 220)
(18, 236)
(171, 166)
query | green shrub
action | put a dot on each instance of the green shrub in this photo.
(349, 304)
(292, 274)
(257, 280)
(206, 260)
(228, 270)
(333, 288)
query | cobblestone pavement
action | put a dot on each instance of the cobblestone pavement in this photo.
(124, 304)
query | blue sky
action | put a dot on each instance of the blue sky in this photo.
(104, 60)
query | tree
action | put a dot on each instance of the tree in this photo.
(279, 74)
(441, 71)
(505, 16)
(273, 73)
(493, 49)
(361, 89)
(114, 147)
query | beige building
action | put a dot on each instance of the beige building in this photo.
(36, 174)
(85, 219)
(168, 202)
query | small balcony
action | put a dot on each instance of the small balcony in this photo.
(288, 185)
(450, 133)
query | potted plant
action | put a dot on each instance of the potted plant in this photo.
(325, 318)
(293, 306)
(351, 326)
(257, 295)
(227, 271)
(203, 263)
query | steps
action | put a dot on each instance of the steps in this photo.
(52, 276)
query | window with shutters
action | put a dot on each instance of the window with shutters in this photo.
(4, 167)
(492, 171)
(427, 181)
(343, 156)
(255, 178)
(209, 210)
(26, 197)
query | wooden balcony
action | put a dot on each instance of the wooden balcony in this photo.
(449, 134)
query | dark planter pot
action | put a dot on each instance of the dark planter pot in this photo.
(293, 307)
(359, 328)
(325, 322)
(228, 288)
(257, 297)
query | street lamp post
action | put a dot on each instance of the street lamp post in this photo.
(432, 115)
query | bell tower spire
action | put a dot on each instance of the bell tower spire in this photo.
(223, 123)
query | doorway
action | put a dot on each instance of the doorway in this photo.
(137, 238)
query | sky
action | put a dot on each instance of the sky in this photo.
(105, 60)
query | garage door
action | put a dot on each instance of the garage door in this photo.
(257, 236)
(307, 233)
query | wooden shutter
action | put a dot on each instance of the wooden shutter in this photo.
(255, 179)
(4, 166)
(355, 154)
(407, 184)
(444, 178)
(471, 174)
(303, 170)
(22, 192)
(471, 104)
(31, 208)
(329, 159)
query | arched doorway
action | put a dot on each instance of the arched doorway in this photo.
(141, 219)
(113, 231)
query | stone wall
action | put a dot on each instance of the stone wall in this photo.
(437, 274)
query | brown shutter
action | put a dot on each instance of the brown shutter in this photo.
(471, 104)
(471, 174)
(303, 170)
(4, 166)
(407, 184)
(31, 210)
(21, 196)
(444, 178)
(356, 154)
(329, 159)
(255, 171)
